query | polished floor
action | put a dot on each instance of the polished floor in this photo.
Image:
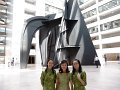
(103, 78)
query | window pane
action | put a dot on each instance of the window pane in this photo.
(2, 29)
(2, 40)
(2, 60)
(2, 49)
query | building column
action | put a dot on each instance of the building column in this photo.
(40, 11)
(99, 52)
(18, 22)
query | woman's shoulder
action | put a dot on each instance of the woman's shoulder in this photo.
(54, 71)
(43, 71)
(57, 73)
(83, 72)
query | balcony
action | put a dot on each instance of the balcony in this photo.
(87, 4)
(115, 40)
(111, 50)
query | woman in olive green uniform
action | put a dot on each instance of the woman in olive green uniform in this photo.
(63, 77)
(78, 76)
(48, 77)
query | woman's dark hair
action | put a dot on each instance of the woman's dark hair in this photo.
(47, 66)
(80, 67)
(62, 62)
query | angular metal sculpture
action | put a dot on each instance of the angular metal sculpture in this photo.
(60, 38)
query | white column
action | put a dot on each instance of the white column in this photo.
(40, 11)
(100, 53)
(38, 55)
(18, 21)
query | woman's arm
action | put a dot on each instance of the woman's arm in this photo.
(71, 85)
(42, 78)
(71, 82)
(82, 78)
(57, 82)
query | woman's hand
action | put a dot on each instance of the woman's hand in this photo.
(80, 79)
(79, 76)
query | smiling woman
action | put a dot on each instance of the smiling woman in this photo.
(63, 77)
(78, 76)
(48, 76)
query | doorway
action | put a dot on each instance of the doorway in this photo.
(31, 60)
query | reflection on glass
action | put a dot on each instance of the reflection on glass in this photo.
(109, 5)
(90, 13)
(2, 40)
(93, 29)
(110, 25)
(2, 29)
(2, 49)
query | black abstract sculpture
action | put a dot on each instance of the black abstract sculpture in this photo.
(64, 37)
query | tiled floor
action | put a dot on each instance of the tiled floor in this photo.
(102, 78)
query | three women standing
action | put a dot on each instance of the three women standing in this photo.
(63, 79)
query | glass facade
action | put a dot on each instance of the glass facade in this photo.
(109, 5)
(83, 1)
(110, 25)
(103, 22)
(5, 24)
(2, 40)
(105, 26)
(2, 30)
(93, 29)
(104, 7)
(90, 13)
(3, 13)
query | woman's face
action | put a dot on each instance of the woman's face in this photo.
(64, 67)
(50, 64)
(76, 65)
